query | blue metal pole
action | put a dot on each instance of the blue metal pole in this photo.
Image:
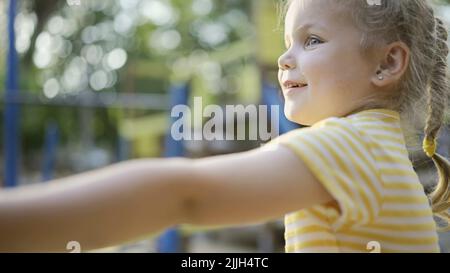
(51, 144)
(123, 149)
(179, 95)
(11, 124)
(170, 240)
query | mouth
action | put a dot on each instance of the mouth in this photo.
(292, 85)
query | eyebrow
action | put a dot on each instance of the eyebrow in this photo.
(305, 27)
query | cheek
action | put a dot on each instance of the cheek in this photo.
(317, 66)
(332, 69)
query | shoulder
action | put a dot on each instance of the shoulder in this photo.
(357, 127)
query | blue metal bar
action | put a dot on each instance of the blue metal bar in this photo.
(51, 143)
(179, 95)
(170, 240)
(11, 115)
(123, 149)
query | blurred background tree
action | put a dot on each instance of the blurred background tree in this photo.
(125, 47)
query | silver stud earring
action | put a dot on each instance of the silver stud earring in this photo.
(380, 75)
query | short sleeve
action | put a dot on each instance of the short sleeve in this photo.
(341, 160)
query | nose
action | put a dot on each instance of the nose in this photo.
(286, 61)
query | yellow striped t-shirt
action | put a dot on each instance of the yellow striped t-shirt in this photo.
(379, 204)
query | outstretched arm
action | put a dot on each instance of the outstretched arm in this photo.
(98, 208)
(133, 199)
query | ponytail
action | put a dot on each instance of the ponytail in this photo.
(437, 104)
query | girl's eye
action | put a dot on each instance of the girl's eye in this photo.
(312, 41)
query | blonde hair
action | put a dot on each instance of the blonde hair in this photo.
(424, 87)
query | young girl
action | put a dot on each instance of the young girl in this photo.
(354, 71)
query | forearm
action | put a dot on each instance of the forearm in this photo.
(98, 209)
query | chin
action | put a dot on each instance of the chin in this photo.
(297, 116)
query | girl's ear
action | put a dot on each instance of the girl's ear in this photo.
(393, 64)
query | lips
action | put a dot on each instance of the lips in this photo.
(290, 86)
(294, 84)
